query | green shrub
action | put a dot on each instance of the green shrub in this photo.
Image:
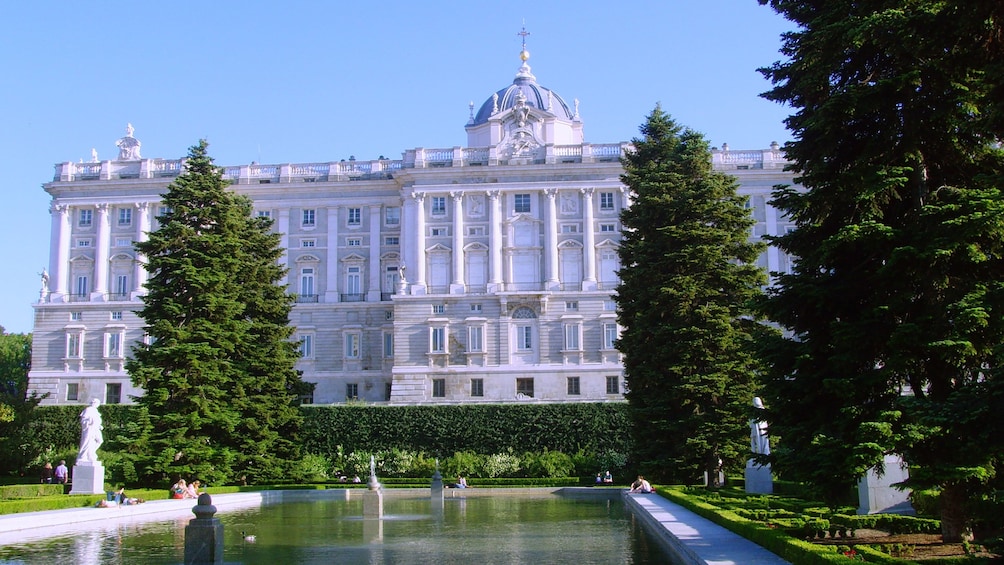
(32, 490)
(315, 467)
(500, 465)
(547, 464)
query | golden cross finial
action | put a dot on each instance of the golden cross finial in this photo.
(523, 33)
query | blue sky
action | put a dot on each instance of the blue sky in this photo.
(300, 81)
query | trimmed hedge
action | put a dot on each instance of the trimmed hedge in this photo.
(10, 492)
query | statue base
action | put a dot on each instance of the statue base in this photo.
(373, 504)
(759, 479)
(88, 478)
(876, 493)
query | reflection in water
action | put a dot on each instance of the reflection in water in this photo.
(504, 529)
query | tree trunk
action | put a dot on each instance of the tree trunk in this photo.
(954, 527)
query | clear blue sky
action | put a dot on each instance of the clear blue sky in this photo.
(298, 81)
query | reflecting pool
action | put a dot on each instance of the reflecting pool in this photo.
(492, 529)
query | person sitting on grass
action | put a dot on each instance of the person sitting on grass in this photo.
(179, 489)
(193, 490)
(641, 485)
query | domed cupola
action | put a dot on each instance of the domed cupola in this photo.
(524, 117)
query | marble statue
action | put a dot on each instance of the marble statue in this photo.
(759, 442)
(43, 293)
(91, 436)
(128, 146)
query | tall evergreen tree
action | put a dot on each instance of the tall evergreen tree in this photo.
(16, 405)
(895, 305)
(688, 280)
(218, 371)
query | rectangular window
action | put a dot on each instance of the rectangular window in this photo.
(354, 242)
(86, 242)
(73, 346)
(309, 218)
(113, 393)
(476, 308)
(113, 348)
(392, 215)
(609, 335)
(522, 203)
(477, 387)
(125, 216)
(524, 387)
(524, 338)
(352, 346)
(613, 385)
(610, 305)
(392, 240)
(122, 286)
(572, 337)
(264, 213)
(123, 242)
(476, 339)
(308, 243)
(355, 216)
(569, 228)
(572, 306)
(438, 205)
(439, 232)
(437, 337)
(353, 279)
(439, 388)
(116, 315)
(351, 391)
(72, 392)
(476, 230)
(608, 228)
(438, 308)
(76, 316)
(81, 288)
(573, 386)
(86, 218)
(307, 346)
(606, 201)
(388, 345)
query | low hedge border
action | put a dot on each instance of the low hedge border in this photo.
(12, 492)
(798, 552)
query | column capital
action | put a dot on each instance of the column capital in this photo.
(550, 193)
(457, 194)
(493, 194)
(417, 196)
(143, 206)
(59, 208)
(588, 191)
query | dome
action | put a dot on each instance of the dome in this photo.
(537, 97)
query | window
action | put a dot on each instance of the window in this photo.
(476, 307)
(113, 345)
(438, 205)
(123, 242)
(264, 213)
(352, 345)
(307, 397)
(353, 278)
(476, 339)
(606, 201)
(355, 216)
(86, 218)
(392, 215)
(351, 391)
(122, 286)
(477, 387)
(307, 282)
(113, 393)
(573, 386)
(388, 345)
(439, 388)
(308, 243)
(76, 316)
(609, 335)
(307, 346)
(524, 338)
(437, 338)
(524, 387)
(572, 337)
(439, 232)
(608, 228)
(613, 385)
(476, 230)
(522, 203)
(125, 216)
(354, 241)
(309, 218)
(392, 240)
(73, 346)
(439, 308)
(72, 392)
(116, 315)
(569, 228)
(81, 288)
(609, 305)
(572, 306)
(86, 242)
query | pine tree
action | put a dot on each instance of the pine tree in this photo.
(899, 238)
(218, 372)
(688, 280)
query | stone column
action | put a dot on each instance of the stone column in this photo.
(373, 292)
(458, 243)
(283, 227)
(773, 253)
(59, 250)
(418, 284)
(331, 265)
(551, 240)
(102, 247)
(588, 241)
(142, 234)
(495, 242)
(204, 534)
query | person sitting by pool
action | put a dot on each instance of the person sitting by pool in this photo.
(599, 479)
(125, 500)
(193, 490)
(179, 489)
(608, 478)
(461, 482)
(641, 485)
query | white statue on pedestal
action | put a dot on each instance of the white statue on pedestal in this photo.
(91, 436)
(759, 442)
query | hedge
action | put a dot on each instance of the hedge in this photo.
(10, 492)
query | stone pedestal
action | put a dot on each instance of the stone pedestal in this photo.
(204, 535)
(759, 479)
(876, 494)
(88, 478)
(373, 504)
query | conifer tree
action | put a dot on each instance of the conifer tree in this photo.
(218, 372)
(688, 279)
(894, 308)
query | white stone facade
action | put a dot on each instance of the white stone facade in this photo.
(478, 274)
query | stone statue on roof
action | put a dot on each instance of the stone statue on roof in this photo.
(128, 146)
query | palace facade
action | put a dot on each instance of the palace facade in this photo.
(483, 273)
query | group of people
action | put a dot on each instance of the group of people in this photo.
(60, 475)
(182, 490)
(118, 498)
(605, 478)
(461, 483)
